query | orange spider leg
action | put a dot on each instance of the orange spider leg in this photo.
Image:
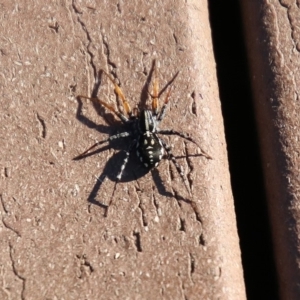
(109, 107)
(120, 94)
(155, 92)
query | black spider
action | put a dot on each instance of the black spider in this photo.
(143, 124)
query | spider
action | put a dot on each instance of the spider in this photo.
(144, 131)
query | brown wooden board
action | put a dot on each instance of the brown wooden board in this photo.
(272, 36)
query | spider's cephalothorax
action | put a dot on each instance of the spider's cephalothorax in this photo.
(144, 132)
(149, 147)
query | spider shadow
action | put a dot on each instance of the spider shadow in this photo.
(112, 166)
(161, 186)
(134, 169)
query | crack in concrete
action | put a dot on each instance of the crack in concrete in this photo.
(144, 219)
(137, 241)
(42, 127)
(3, 204)
(54, 27)
(202, 240)
(175, 38)
(106, 51)
(89, 39)
(4, 222)
(7, 172)
(190, 165)
(182, 223)
(170, 171)
(220, 272)
(119, 7)
(8, 226)
(14, 268)
(194, 104)
(192, 266)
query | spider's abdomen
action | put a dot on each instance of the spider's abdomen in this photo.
(149, 150)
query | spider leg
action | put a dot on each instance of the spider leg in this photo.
(112, 137)
(155, 97)
(178, 167)
(119, 176)
(121, 95)
(123, 118)
(164, 107)
(185, 136)
(155, 92)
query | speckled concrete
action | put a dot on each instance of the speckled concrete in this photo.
(55, 241)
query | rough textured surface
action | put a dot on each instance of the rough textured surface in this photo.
(152, 245)
(273, 44)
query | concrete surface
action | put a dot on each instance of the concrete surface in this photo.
(56, 242)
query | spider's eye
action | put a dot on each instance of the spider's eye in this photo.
(147, 122)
